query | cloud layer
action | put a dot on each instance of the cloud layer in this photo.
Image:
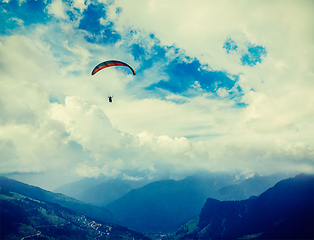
(219, 86)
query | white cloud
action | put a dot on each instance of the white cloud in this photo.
(87, 125)
(80, 4)
(82, 132)
(282, 81)
(20, 22)
(57, 8)
(200, 28)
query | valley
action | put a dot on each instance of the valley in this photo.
(164, 210)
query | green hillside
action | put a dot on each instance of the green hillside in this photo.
(26, 218)
(97, 213)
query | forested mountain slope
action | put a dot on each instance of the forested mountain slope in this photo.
(282, 212)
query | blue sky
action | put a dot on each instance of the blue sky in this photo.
(219, 86)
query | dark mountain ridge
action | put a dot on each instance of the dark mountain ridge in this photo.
(22, 217)
(271, 215)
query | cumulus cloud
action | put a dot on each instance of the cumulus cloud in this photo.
(57, 9)
(276, 90)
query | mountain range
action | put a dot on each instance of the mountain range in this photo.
(131, 201)
(162, 206)
(202, 206)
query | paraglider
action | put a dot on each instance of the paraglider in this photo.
(112, 63)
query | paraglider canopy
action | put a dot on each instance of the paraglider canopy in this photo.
(109, 88)
(111, 63)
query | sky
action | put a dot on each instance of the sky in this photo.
(223, 86)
